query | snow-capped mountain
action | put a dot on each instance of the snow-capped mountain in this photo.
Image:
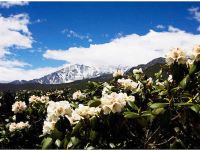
(73, 72)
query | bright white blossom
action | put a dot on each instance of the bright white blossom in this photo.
(48, 127)
(128, 84)
(115, 102)
(86, 111)
(19, 107)
(196, 53)
(176, 55)
(78, 95)
(54, 111)
(74, 118)
(37, 99)
(137, 71)
(18, 126)
(118, 73)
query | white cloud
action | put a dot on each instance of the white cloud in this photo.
(174, 29)
(73, 34)
(13, 63)
(195, 12)
(160, 26)
(14, 32)
(8, 4)
(15, 73)
(129, 50)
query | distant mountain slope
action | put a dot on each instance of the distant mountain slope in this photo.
(71, 73)
(150, 68)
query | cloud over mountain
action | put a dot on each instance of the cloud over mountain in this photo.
(129, 50)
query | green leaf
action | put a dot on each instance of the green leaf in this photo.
(47, 142)
(158, 105)
(192, 69)
(163, 93)
(75, 141)
(56, 134)
(93, 135)
(195, 108)
(184, 82)
(131, 115)
(93, 121)
(76, 128)
(133, 105)
(183, 104)
(158, 111)
(94, 103)
(58, 143)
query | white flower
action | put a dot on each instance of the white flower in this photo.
(19, 107)
(54, 111)
(18, 126)
(78, 95)
(176, 55)
(170, 79)
(118, 73)
(137, 71)
(86, 111)
(106, 88)
(59, 108)
(196, 53)
(37, 99)
(106, 109)
(128, 84)
(115, 102)
(48, 127)
(74, 118)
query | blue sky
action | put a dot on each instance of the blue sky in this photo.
(56, 27)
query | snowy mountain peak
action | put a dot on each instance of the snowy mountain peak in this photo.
(73, 72)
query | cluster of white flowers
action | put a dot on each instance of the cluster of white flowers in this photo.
(196, 53)
(37, 99)
(118, 73)
(128, 84)
(86, 111)
(18, 126)
(114, 102)
(54, 111)
(137, 71)
(78, 95)
(176, 55)
(106, 88)
(19, 107)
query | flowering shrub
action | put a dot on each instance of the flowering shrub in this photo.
(130, 111)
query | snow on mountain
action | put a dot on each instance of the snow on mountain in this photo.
(73, 72)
